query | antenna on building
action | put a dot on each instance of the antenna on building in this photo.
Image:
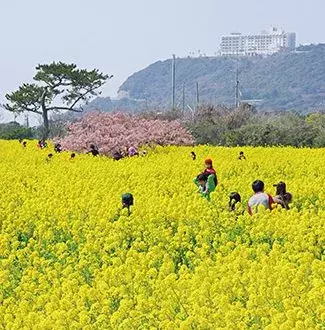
(173, 82)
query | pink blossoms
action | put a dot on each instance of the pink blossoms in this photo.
(112, 132)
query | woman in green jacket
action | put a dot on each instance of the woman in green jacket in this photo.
(206, 184)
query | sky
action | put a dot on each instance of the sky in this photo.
(120, 37)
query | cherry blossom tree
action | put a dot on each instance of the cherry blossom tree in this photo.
(112, 132)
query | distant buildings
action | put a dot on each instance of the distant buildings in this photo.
(266, 43)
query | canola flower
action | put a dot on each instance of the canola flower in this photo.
(71, 259)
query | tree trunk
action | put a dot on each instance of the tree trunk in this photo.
(45, 116)
(46, 124)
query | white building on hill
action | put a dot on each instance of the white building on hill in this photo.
(266, 43)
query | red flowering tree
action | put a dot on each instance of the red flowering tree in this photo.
(112, 132)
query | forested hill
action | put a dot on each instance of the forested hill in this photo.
(282, 81)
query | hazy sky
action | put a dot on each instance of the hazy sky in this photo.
(122, 36)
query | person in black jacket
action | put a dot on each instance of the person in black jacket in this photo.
(93, 150)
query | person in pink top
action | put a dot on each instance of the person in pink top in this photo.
(259, 198)
(133, 152)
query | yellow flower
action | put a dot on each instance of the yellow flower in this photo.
(71, 257)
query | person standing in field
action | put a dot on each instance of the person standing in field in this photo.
(49, 157)
(241, 156)
(57, 147)
(124, 152)
(41, 144)
(210, 170)
(93, 150)
(282, 196)
(117, 155)
(259, 198)
(132, 151)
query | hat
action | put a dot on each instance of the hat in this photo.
(281, 188)
(208, 161)
(281, 183)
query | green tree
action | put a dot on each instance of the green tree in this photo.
(15, 131)
(58, 87)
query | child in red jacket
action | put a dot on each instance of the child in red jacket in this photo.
(210, 170)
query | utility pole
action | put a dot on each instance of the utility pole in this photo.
(173, 82)
(183, 97)
(27, 120)
(237, 102)
(197, 94)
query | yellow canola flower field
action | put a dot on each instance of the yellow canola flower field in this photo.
(70, 258)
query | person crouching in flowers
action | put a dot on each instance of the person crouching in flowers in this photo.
(282, 196)
(127, 201)
(234, 198)
(206, 184)
(259, 198)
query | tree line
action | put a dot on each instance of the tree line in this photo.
(64, 87)
(245, 126)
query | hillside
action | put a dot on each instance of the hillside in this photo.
(282, 81)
